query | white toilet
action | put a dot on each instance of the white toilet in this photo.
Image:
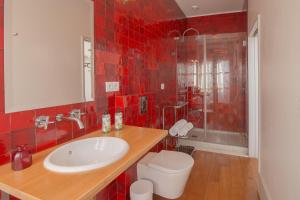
(167, 170)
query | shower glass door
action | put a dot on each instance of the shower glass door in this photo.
(212, 77)
(226, 83)
(190, 78)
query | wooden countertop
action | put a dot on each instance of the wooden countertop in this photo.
(36, 182)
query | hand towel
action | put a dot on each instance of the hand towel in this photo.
(185, 129)
(177, 126)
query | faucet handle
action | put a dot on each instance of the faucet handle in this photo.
(59, 117)
(43, 122)
(76, 113)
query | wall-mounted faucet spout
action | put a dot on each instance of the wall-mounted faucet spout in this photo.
(75, 116)
(78, 121)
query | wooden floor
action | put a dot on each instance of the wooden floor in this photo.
(221, 177)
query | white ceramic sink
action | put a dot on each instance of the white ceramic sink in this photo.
(87, 154)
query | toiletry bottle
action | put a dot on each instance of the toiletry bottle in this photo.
(118, 120)
(21, 158)
(106, 125)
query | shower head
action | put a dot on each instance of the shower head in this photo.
(176, 34)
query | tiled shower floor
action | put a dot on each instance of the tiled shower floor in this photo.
(219, 137)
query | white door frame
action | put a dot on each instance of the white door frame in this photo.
(254, 89)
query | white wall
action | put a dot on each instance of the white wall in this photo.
(280, 88)
(43, 64)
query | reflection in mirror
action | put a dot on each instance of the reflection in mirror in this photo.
(43, 53)
(88, 69)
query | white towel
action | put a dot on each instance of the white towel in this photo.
(177, 126)
(185, 129)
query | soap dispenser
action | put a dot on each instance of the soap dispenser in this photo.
(118, 119)
(21, 158)
(106, 122)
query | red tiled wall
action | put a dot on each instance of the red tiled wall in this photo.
(132, 48)
(129, 48)
(129, 105)
(18, 128)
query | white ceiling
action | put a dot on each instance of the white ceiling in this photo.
(209, 7)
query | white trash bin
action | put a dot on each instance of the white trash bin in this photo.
(141, 190)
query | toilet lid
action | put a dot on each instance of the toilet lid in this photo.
(171, 161)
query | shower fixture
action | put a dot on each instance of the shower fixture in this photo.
(179, 36)
(175, 37)
(191, 29)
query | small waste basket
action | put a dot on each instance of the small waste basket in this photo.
(141, 190)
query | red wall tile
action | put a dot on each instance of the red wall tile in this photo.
(46, 138)
(22, 120)
(63, 131)
(5, 143)
(5, 158)
(24, 137)
(5, 123)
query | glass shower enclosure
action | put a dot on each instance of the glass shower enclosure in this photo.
(212, 80)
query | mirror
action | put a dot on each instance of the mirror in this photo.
(48, 53)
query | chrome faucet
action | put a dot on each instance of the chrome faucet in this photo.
(75, 115)
(43, 122)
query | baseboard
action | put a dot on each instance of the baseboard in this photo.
(262, 189)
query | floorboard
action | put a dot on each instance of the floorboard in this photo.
(221, 177)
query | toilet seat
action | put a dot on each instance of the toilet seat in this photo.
(171, 161)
